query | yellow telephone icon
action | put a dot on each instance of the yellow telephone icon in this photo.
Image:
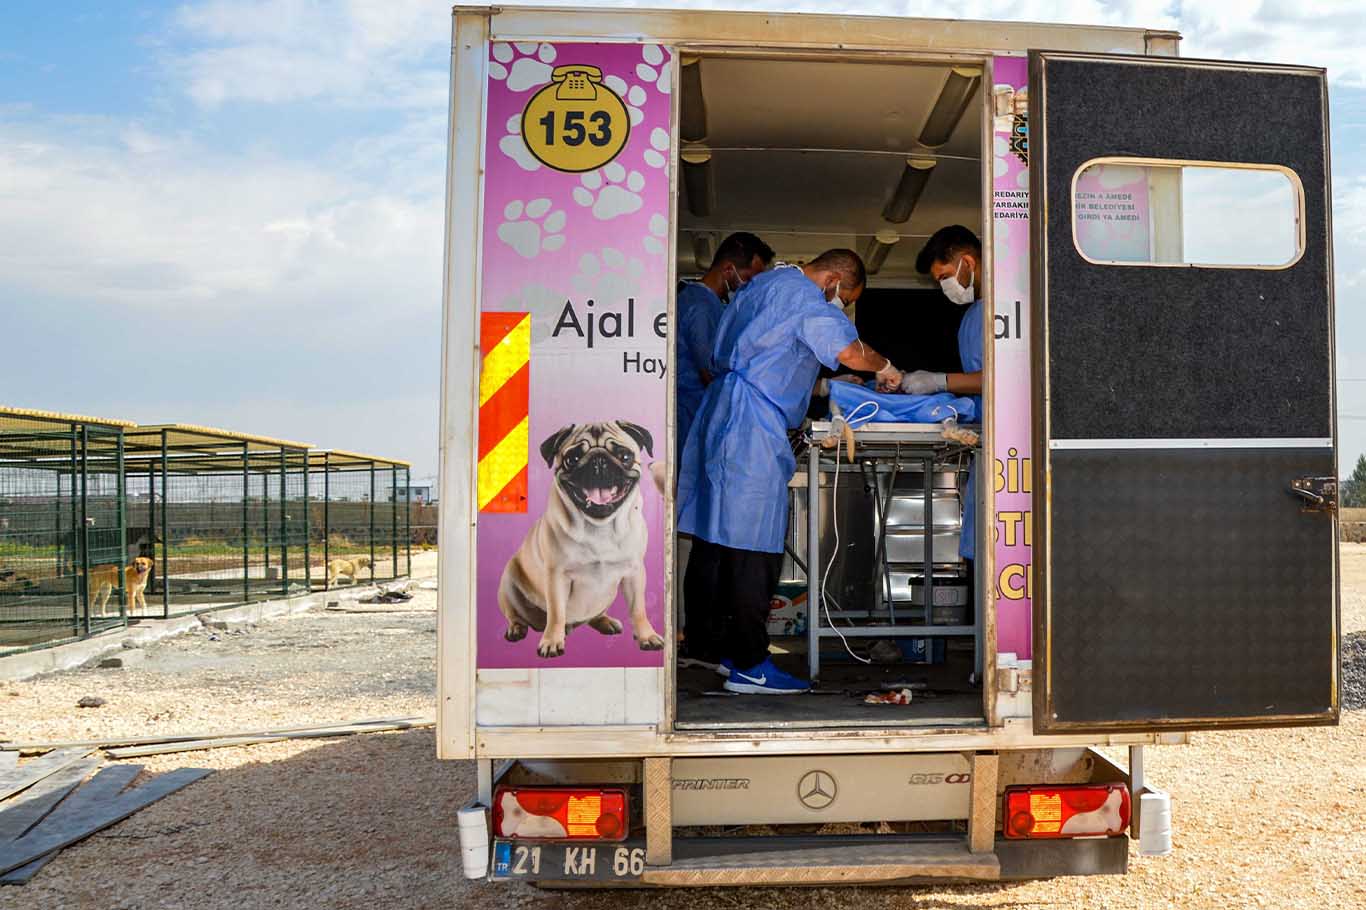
(577, 82)
(575, 122)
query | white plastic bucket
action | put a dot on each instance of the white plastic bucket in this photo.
(472, 823)
(1155, 823)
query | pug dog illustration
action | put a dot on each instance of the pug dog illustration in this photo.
(588, 544)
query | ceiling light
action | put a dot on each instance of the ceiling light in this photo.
(692, 121)
(948, 109)
(697, 178)
(879, 245)
(913, 179)
(701, 250)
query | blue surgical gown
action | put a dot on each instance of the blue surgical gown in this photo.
(970, 353)
(771, 343)
(699, 312)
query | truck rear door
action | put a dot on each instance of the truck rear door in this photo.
(1186, 556)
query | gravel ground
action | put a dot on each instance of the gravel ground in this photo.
(1267, 819)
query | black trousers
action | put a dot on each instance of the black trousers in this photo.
(727, 594)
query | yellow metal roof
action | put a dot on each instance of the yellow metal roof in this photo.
(341, 457)
(56, 416)
(190, 434)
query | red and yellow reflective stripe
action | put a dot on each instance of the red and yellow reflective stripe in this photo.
(504, 411)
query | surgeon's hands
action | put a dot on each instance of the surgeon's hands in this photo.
(923, 382)
(888, 378)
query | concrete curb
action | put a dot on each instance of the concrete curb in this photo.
(15, 667)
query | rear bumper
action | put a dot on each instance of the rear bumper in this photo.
(1025, 859)
(852, 860)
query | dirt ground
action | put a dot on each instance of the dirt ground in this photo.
(1270, 819)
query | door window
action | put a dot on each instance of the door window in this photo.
(1129, 211)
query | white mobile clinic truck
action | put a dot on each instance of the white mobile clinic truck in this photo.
(1155, 454)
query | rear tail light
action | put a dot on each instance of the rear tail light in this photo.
(558, 813)
(1085, 810)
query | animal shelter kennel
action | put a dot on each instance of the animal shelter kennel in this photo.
(224, 517)
(105, 521)
(361, 519)
(61, 527)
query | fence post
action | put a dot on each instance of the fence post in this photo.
(265, 521)
(393, 516)
(85, 527)
(327, 521)
(165, 531)
(371, 512)
(77, 562)
(124, 605)
(408, 520)
(308, 524)
(246, 522)
(284, 526)
(152, 524)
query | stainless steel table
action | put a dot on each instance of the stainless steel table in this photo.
(888, 446)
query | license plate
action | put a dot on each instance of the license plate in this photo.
(556, 862)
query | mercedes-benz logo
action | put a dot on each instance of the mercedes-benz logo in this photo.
(817, 789)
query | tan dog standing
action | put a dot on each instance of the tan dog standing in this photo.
(351, 568)
(104, 579)
(587, 545)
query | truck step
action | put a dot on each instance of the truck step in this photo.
(721, 861)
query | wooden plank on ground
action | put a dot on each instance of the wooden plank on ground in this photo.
(56, 833)
(20, 777)
(114, 741)
(104, 787)
(25, 810)
(229, 741)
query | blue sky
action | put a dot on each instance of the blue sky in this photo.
(230, 212)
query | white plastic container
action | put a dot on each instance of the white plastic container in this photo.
(474, 841)
(1155, 823)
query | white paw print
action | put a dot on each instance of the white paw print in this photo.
(526, 232)
(655, 69)
(608, 275)
(1000, 154)
(513, 146)
(659, 228)
(522, 65)
(633, 95)
(603, 190)
(657, 154)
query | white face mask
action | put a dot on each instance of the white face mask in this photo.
(836, 298)
(739, 283)
(957, 292)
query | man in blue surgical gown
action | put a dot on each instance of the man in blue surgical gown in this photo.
(739, 258)
(953, 257)
(737, 461)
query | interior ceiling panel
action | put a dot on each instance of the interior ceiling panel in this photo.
(801, 104)
(765, 117)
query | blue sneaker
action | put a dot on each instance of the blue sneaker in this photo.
(726, 667)
(764, 679)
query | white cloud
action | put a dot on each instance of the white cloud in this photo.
(274, 51)
(1325, 33)
(96, 210)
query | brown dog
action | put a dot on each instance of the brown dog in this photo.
(587, 545)
(104, 579)
(351, 568)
